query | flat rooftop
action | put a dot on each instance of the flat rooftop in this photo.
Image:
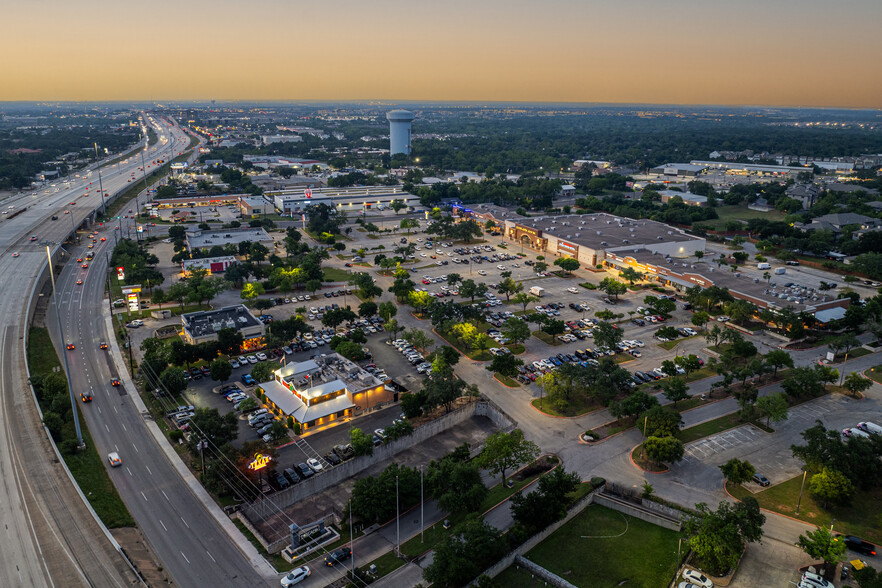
(327, 372)
(606, 231)
(749, 283)
(206, 239)
(207, 322)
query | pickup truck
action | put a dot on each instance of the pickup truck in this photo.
(857, 544)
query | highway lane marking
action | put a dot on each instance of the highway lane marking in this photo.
(185, 557)
(166, 495)
(114, 410)
(130, 471)
(145, 496)
(163, 525)
(136, 448)
(124, 427)
(99, 410)
(211, 556)
(148, 471)
(185, 522)
(106, 427)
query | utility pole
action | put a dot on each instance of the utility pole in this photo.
(351, 541)
(422, 502)
(73, 402)
(397, 518)
(101, 189)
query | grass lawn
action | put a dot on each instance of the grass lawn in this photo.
(673, 343)
(546, 338)
(603, 548)
(717, 425)
(700, 374)
(861, 518)
(277, 561)
(577, 406)
(454, 342)
(333, 274)
(516, 348)
(730, 213)
(506, 381)
(642, 461)
(86, 466)
(875, 374)
(386, 564)
(436, 533)
(588, 285)
(855, 353)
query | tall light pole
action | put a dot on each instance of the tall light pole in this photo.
(73, 402)
(101, 189)
(799, 501)
(397, 518)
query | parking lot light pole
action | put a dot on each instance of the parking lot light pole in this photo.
(73, 402)
(799, 501)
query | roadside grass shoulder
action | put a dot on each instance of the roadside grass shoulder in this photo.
(860, 518)
(86, 466)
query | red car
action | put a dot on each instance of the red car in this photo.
(85, 266)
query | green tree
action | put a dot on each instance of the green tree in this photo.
(362, 443)
(221, 370)
(173, 380)
(778, 358)
(606, 336)
(612, 287)
(461, 556)
(660, 421)
(567, 264)
(516, 330)
(855, 383)
(419, 339)
(508, 287)
(773, 408)
(831, 486)
(718, 537)
(213, 427)
(523, 299)
(367, 309)
(700, 318)
(675, 390)
(263, 372)
(737, 471)
(630, 275)
(387, 310)
(456, 485)
(822, 544)
(547, 504)
(251, 290)
(505, 364)
(636, 403)
(663, 449)
(505, 451)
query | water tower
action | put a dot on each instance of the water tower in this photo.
(399, 131)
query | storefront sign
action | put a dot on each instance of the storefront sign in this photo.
(259, 462)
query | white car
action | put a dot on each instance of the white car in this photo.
(114, 459)
(242, 360)
(697, 578)
(500, 267)
(314, 464)
(252, 360)
(723, 318)
(482, 273)
(296, 576)
(572, 290)
(234, 364)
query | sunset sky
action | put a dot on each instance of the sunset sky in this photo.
(770, 52)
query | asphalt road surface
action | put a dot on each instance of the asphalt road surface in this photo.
(49, 537)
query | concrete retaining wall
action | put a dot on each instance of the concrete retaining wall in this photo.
(535, 540)
(638, 512)
(269, 506)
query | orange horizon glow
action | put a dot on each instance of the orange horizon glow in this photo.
(772, 53)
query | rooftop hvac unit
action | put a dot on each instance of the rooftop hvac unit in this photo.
(599, 233)
(670, 232)
(569, 236)
(609, 222)
(578, 234)
(692, 266)
(660, 238)
(604, 243)
(756, 280)
(594, 218)
(631, 229)
(625, 241)
(737, 274)
(710, 269)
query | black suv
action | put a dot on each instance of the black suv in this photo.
(338, 556)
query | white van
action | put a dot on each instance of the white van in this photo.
(764, 266)
(870, 428)
(537, 291)
(855, 433)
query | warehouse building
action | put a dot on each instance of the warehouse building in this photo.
(213, 265)
(199, 327)
(588, 237)
(688, 198)
(206, 239)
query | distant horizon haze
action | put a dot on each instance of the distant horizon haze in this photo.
(774, 53)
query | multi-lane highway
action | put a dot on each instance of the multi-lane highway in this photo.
(49, 536)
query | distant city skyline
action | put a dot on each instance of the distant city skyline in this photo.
(770, 53)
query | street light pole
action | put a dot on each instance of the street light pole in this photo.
(397, 518)
(101, 189)
(799, 501)
(73, 402)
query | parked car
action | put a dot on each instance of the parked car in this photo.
(697, 578)
(295, 576)
(859, 545)
(314, 464)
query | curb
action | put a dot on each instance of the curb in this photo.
(506, 385)
(630, 457)
(243, 545)
(578, 416)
